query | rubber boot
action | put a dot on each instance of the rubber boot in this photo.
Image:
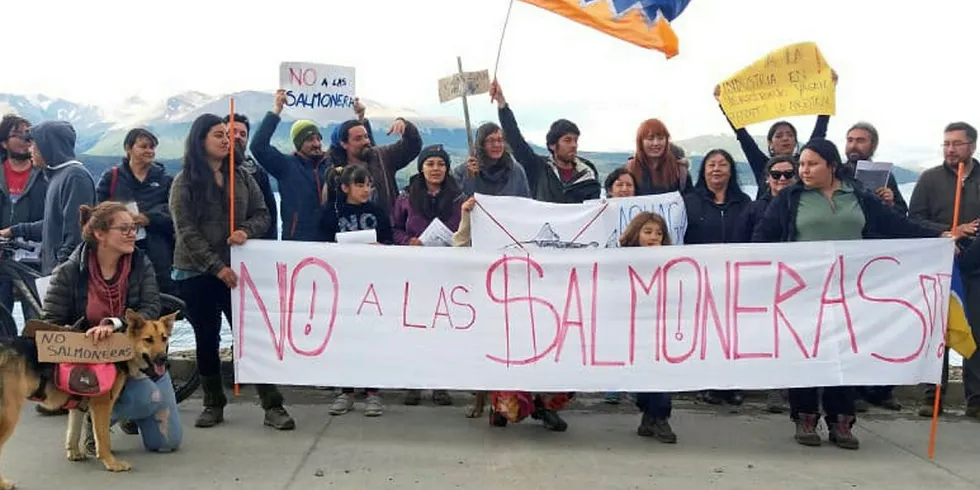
(214, 402)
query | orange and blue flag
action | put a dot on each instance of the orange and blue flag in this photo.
(959, 335)
(645, 23)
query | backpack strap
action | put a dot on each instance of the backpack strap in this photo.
(112, 183)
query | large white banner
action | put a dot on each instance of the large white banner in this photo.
(515, 223)
(631, 319)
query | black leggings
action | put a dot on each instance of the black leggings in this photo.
(206, 298)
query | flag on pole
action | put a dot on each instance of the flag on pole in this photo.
(959, 335)
(645, 23)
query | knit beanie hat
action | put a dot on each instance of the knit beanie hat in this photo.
(301, 131)
(433, 151)
(826, 149)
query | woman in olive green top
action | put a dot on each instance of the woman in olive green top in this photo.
(826, 204)
(202, 256)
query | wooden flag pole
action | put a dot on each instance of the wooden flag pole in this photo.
(939, 387)
(231, 184)
(466, 111)
(500, 47)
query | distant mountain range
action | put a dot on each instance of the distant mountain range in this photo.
(101, 130)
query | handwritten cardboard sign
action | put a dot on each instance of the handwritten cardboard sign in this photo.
(74, 347)
(791, 81)
(322, 93)
(749, 316)
(466, 83)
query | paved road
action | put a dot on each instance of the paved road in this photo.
(436, 448)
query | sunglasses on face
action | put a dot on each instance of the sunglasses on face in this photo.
(776, 174)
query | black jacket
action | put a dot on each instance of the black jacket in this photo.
(779, 222)
(542, 176)
(29, 207)
(67, 295)
(752, 216)
(708, 222)
(152, 195)
(262, 178)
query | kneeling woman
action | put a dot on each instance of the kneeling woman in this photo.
(825, 205)
(103, 277)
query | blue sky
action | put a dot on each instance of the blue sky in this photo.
(908, 70)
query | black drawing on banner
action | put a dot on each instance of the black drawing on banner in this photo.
(548, 238)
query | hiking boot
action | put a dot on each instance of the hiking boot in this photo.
(210, 417)
(658, 429)
(342, 404)
(129, 427)
(278, 418)
(806, 429)
(551, 420)
(373, 406)
(441, 397)
(775, 402)
(413, 397)
(861, 405)
(841, 435)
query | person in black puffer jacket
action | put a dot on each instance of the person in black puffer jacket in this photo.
(141, 180)
(780, 174)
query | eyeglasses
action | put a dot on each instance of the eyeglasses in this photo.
(786, 174)
(125, 230)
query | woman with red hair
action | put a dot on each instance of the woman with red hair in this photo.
(654, 165)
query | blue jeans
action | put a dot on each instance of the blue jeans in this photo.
(153, 407)
(656, 405)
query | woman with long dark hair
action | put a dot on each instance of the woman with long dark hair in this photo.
(827, 204)
(202, 257)
(654, 165)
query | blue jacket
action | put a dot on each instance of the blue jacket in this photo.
(778, 224)
(300, 183)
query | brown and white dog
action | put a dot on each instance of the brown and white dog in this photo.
(23, 377)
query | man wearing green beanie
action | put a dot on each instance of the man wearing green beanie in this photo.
(302, 131)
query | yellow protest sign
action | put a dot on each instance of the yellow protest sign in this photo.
(794, 80)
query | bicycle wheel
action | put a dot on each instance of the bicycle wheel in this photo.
(8, 327)
(187, 385)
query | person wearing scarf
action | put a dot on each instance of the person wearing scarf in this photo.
(103, 277)
(490, 169)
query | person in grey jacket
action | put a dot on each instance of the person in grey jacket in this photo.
(491, 169)
(70, 185)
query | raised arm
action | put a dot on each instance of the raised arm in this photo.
(522, 151)
(268, 156)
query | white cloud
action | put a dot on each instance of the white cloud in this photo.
(908, 69)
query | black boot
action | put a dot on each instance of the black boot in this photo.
(214, 402)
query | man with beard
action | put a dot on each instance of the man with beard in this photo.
(932, 204)
(383, 162)
(240, 134)
(23, 188)
(862, 142)
(300, 175)
(561, 177)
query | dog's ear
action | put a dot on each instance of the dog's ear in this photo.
(168, 322)
(134, 321)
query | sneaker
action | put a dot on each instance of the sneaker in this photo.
(373, 406)
(210, 417)
(413, 397)
(806, 429)
(44, 412)
(774, 402)
(278, 418)
(658, 429)
(841, 435)
(342, 404)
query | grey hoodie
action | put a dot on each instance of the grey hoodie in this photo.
(70, 186)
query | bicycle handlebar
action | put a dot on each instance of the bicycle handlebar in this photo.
(13, 244)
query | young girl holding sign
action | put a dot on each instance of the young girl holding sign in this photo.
(347, 207)
(650, 230)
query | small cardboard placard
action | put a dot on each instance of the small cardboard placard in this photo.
(74, 347)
